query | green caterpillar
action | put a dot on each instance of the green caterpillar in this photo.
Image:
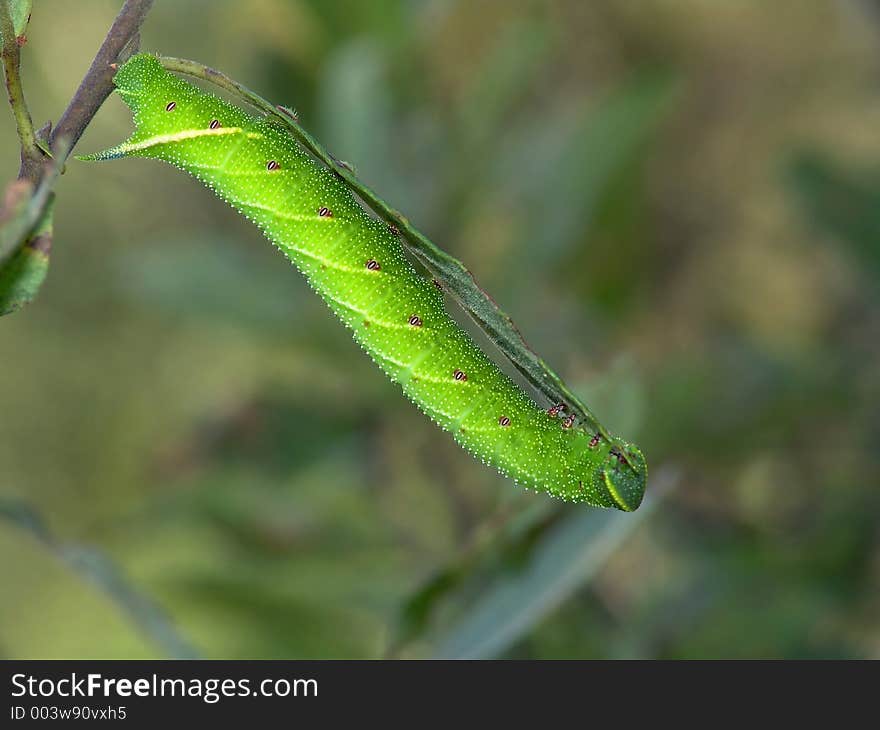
(358, 266)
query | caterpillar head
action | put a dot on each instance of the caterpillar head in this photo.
(622, 475)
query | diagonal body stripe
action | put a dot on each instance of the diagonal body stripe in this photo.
(186, 134)
(528, 449)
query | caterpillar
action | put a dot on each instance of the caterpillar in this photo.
(357, 265)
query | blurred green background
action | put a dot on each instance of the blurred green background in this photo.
(678, 201)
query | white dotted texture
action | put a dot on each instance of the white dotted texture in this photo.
(262, 172)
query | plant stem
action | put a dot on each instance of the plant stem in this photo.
(94, 89)
(30, 152)
(97, 84)
(14, 232)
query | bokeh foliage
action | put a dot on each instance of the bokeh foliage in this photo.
(676, 200)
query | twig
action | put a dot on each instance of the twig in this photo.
(94, 89)
(14, 232)
(30, 152)
(97, 84)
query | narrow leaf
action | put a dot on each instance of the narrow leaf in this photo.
(101, 571)
(567, 558)
(19, 12)
(23, 275)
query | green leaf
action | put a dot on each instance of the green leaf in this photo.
(501, 537)
(15, 222)
(93, 566)
(22, 276)
(565, 559)
(20, 12)
(24, 207)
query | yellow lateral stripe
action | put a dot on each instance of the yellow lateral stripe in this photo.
(410, 369)
(614, 493)
(179, 137)
(370, 317)
(327, 262)
(284, 216)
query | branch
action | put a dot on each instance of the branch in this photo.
(97, 84)
(20, 214)
(30, 152)
(38, 174)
